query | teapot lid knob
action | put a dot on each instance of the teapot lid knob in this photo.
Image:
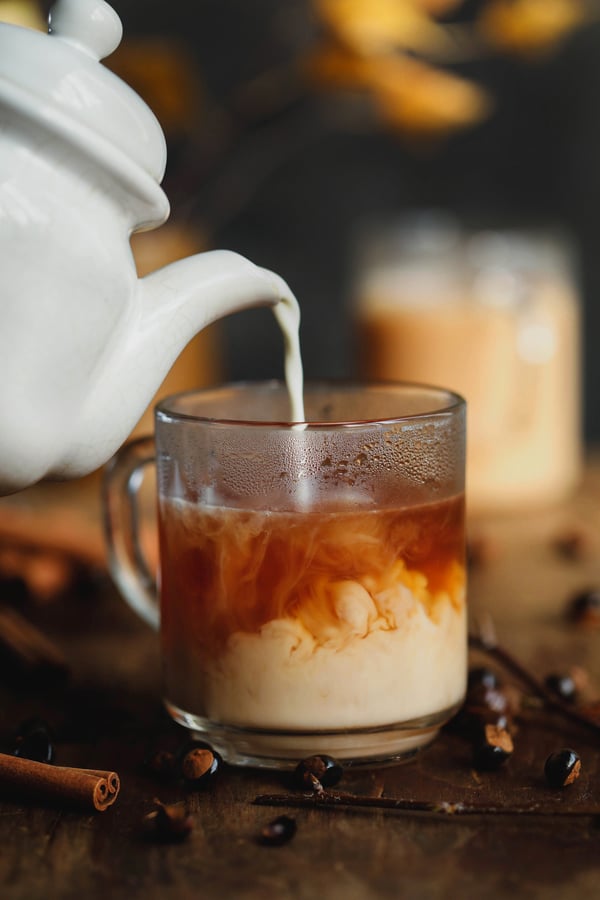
(90, 25)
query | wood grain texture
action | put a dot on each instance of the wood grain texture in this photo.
(109, 714)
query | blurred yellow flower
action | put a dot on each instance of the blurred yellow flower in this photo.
(438, 7)
(421, 100)
(368, 48)
(409, 95)
(529, 26)
(335, 67)
(377, 26)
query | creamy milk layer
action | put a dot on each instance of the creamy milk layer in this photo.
(393, 656)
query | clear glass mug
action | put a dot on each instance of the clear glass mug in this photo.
(312, 577)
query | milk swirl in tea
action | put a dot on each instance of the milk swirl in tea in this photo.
(319, 619)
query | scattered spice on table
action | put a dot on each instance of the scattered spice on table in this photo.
(486, 641)
(168, 823)
(161, 764)
(278, 832)
(562, 768)
(317, 772)
(583, 609)
(34, 740)
(198, 764)
(572, 544)
(493, 748)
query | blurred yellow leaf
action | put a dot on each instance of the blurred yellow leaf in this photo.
(421, 100)
(409, 95)
(375, 26)
(529, 26)
(438, 7)
(333, 66)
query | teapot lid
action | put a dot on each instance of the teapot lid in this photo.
(57, 79)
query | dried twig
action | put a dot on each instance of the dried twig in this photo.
(487, 643)
(327, 799)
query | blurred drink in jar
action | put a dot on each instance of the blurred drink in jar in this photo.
(495, 317)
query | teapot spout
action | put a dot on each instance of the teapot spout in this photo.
(175, 303)
(183, 298)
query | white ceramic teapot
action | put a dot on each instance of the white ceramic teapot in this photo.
(84, 343)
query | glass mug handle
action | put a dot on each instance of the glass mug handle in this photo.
(123, 478)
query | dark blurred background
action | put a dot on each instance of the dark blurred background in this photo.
(284, 170)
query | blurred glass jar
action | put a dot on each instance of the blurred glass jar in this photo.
(492, 315)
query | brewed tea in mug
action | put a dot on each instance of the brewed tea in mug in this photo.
(312, 576)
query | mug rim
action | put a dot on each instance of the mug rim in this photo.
(164, 411)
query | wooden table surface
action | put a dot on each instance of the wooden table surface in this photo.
(109, 713)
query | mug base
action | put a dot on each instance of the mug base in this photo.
(282, 750)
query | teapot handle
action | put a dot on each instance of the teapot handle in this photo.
(123, 478)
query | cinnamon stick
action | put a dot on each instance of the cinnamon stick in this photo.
(88, 789)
